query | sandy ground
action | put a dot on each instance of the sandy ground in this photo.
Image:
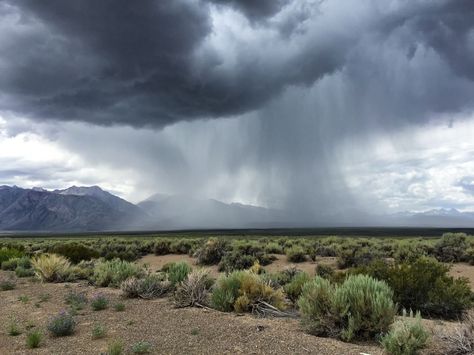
(169, 330)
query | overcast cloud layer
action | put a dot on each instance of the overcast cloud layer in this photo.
(283, 103)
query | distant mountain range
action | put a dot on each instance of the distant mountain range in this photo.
(72, 209)
(78, 209)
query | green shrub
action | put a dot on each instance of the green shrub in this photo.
(424, 286)
(242, 291)
(406, 337)
(7, 284)
(325, 271)
(77, 300)
(296, 254)
(151, 286)
(75, 252)
(142, 347)
(13, 329)
(162, 247)
(51, 267)
(177, 272)
(294, 287)
(212, 251)
(273, 248)
(99, 302)
(352, 255)
(236, 261)
(360, 308)
(33, 339)
(20, 271)
(115, 348)
(62, 324)
(98, 331)
(408, 252)
(119, 307)
(113, 272)
(9, 253)
(451, 247)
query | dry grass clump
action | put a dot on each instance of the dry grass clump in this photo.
(245, 291)
(459, 341)
(51, 267)
(151, 286)
(194, 290)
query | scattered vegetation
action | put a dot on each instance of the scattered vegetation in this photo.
(177, 272)
(13, 329)
(7, 284)
(296, 254)
(119, 307)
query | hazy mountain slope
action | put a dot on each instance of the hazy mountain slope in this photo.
(178, 211)
(28, 209)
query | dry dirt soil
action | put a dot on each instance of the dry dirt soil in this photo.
(167, 329)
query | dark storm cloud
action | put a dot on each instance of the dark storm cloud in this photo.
(254, 10)
(113, 62)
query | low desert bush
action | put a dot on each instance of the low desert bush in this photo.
(99, 302)
(33, 339)
(295, 254)
(273, 248)
(451, 247)
(353, 255)
(141, 347)
(242, 291)
(236, 261)
(425, 286)
(177, 272)
(9, 253)
(62, 324)
(76, 300)
(20, 271)
(7, 284)
(212, 251)
(360, 308)
(194, 290)
(325, 271)
(51, 267)
(113, 272)
(151, 286)
(119, 307)
(162, 247)
(407, 336)
(98, 331)
(14, 263)
(294, 287)
(115, 348)
(75, 252)
(458, 341)
(13, 329)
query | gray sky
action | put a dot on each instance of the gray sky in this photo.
(319, 107)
